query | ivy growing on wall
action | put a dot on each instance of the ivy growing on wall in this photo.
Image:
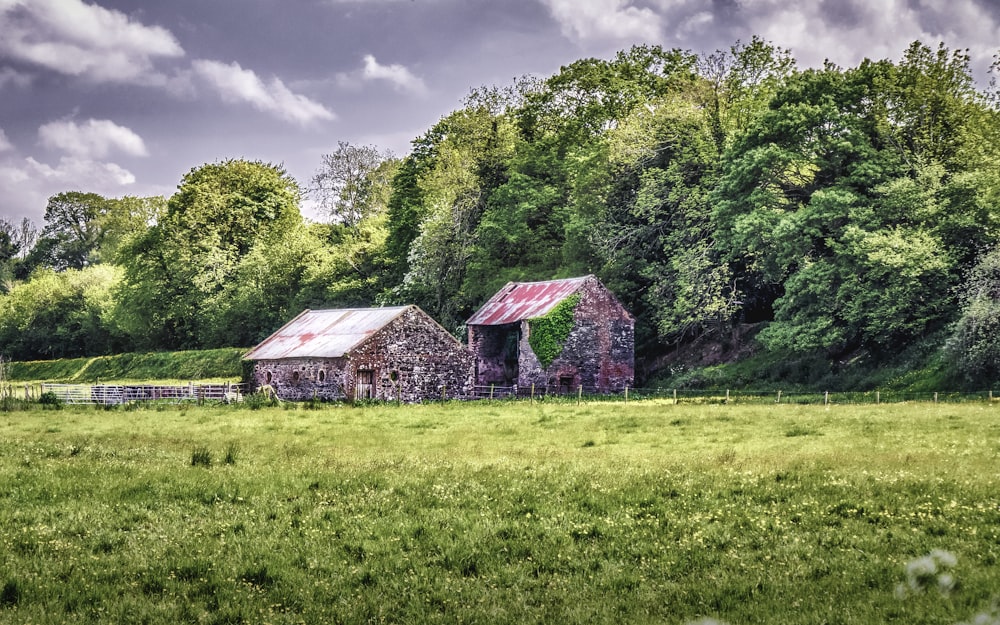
(548, 334)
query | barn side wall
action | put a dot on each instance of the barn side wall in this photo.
(300, 379)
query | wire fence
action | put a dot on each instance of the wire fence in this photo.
(717, 396)
(110, 395)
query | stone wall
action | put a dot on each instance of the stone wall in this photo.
(300, 379)
(414, 359)
(496, 349)
(599, 352)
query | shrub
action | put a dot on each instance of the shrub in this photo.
(10, 596)
(50, 401)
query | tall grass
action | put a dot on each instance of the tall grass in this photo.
(505, 513)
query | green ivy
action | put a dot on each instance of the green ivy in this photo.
(549, 333)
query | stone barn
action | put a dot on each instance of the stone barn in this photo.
(558, 335)
(393, 353)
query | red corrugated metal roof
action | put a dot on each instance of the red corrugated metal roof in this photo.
(524, 300)
(324, 333)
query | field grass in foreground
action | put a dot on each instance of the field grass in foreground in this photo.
(503, 513)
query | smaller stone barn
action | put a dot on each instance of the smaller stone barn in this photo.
(393, 353)
(558, 335)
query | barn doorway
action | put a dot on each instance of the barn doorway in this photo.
(364, 386)
(566, 384)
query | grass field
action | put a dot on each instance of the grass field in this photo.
(500, 513)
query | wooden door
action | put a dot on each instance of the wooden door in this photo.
(364, 386)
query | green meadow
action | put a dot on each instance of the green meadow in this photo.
(643, 512)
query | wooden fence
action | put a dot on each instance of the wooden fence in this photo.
(114, 394)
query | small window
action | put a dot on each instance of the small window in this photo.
(267, 377)
(322, 375)
(394, 375)
(295, 377)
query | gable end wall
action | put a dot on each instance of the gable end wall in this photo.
(599, 352)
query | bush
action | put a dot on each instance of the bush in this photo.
(973, 347)
(50, 401)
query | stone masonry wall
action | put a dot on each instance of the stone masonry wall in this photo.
(301, 379)
(414, 359)
(599, 352)
(493, 363)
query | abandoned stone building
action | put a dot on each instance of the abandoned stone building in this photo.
(393, 353)
(583, 337)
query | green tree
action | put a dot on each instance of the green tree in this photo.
(16, 242)
(176, 291)
(83, 229)
(126, 218)
(974, 344)
(849, 212)
(72, 233)
(540, 222)
(736, 85)
(657, 232)
(61, 315)
(351, 181)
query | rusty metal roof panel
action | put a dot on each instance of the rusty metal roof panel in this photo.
(524, 300)
(324, 333)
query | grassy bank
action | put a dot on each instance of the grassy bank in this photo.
(504, 513)
(221, 364)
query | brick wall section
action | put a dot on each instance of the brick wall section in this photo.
(411, 358)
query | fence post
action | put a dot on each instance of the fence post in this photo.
(878, 397)
(444, 391)
(579, 394)
(675, 397)
(727, 395)
(826, 398)
(779, 397)
(935, 397)
(491, 391)
(532, 392)
(626, 393)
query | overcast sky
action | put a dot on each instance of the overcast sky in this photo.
(122, 97)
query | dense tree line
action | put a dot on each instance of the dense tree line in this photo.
(846, 210)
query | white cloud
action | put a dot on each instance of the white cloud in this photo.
(585, 20)
(75, 172)
(847, 32)
(235, 84)
(5, 143)
(28, 183)
(397, 75)
(78, 39)
(95, 138)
